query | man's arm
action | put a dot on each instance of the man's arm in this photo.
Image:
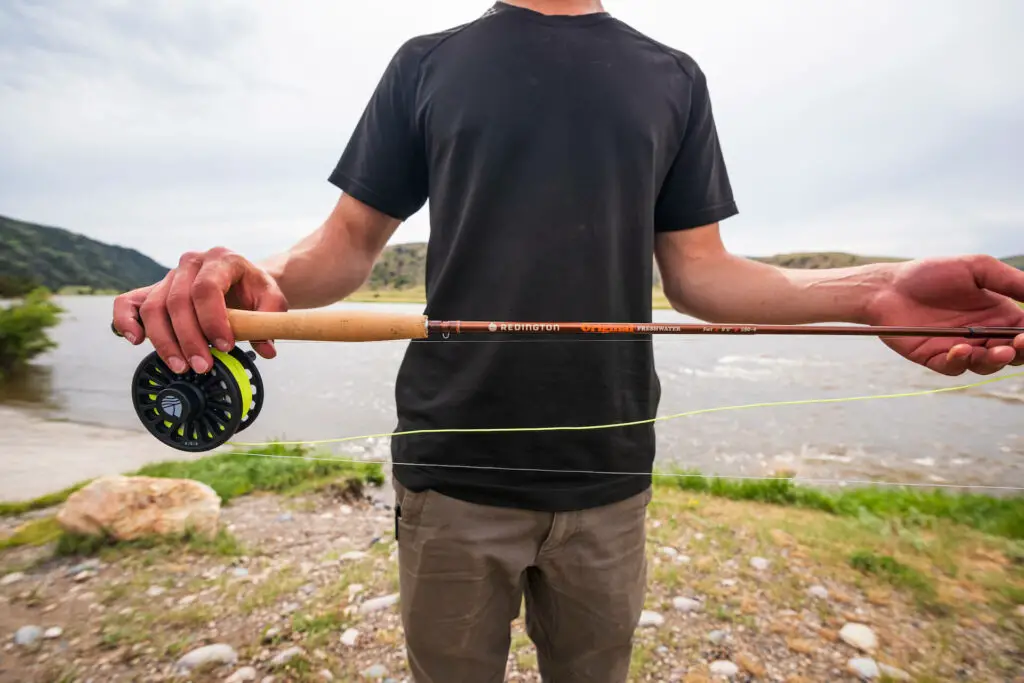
(336, 259)
(702, 279)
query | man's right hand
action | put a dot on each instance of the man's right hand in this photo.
(186, 312)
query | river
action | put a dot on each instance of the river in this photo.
(322, 390)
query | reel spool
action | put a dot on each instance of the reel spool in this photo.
(193, 412)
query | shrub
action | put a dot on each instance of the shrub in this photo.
(23, 329)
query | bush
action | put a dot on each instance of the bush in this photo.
(23, 330)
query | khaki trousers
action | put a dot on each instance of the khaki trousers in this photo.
(465, 570)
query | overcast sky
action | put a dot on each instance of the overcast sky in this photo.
(168, 125)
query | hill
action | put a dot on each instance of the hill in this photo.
(32, 254)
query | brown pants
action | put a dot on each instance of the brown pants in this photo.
(465, 570)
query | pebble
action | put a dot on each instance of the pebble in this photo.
(53, 632)
(239, 572)
(686, 604)
(1019, 611)
(759, 563)
(728, 583)
(27, 635)
(272, 632)
(346, 509)
(864, 667)
(13, 577)
(859, 636)
(668, 552)
(349, 637)
(819, 592)
(285, 656)
(893, 673)
(208, 654)
(156, 591)
(724, 668)
(375, 671)
(377, 604)
(289, 607)
(325, 675)
(649, 618)
(244, 675)
(285, 517)
(352, 555)
(716, 637)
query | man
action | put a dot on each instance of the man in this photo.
(559, 149)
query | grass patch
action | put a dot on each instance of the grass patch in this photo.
(895, 573)
(223, 544)
(274, 468)
(998, 516)
(34, 533)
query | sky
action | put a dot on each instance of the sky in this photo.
(175, 125)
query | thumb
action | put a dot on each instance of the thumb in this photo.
(992, 274)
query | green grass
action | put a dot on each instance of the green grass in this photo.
(895, 573)
(275, 468)
(34, 533)
(918, 507)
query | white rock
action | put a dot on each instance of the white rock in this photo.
(53, 632)
(352, 555)
(346, 509)
(668, 552)
(325, 675)
(728, 583)
(649, 618)
(243, 675)
(285, 656)
(724, 668)
(819, 592)
(377, 604)
(683, 559)
(375, 671)
(686, 604)
(759, 563)
(859, 636)
(893, 673)
(208, 654)
(13, 577)
(355, 589)
(155, 591)
(864, 667)
(27, 635)
(349, 637)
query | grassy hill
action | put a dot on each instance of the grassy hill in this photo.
(33, 254)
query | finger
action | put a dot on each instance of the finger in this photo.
(218, 274)
(992, 274)
(269, 300)
(954, 362)
(125, 320)
(193, 344)
(157, 322)
(988, 361)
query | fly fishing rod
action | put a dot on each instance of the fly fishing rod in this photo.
(199, 412)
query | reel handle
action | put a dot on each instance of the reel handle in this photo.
(321, 325)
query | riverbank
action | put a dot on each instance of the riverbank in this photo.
(302, 581)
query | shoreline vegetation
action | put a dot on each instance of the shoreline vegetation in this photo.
(780, 581)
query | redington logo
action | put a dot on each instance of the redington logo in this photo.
(524, 327)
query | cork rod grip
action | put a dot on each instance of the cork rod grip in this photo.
(320, 325)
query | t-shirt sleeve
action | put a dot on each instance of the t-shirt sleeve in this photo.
(696, 191)
(384, 164)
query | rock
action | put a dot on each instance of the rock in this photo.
(127, 508)
(13, 577)
(349, 637)
(285, 517)
(819, 592)
(668, 552)
(864, 668)
(686, 604)
(272, 632)
(244, 675)
(859, 636)
(240, 572)
(724, 668)
(285, 656)
(759, 563)
(156, 591)
(26, 636)
(1019, 611)
(716, 637)
(728, 583)
(893, 673)
(325, 675)
(352, 555)
(206, 655)
(377, 604)
(375, 671)
(649, 619)
(53, 632)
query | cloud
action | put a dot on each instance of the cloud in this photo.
(177, 124)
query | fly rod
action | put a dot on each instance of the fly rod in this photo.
(199, 412)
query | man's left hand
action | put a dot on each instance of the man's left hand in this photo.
(954, 292)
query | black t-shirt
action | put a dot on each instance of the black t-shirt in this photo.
(552, 149)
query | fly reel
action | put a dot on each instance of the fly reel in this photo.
(198, 412)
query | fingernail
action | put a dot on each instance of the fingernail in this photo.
(199, 364)
(130, 337)
(177, 365)
(223, 345)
